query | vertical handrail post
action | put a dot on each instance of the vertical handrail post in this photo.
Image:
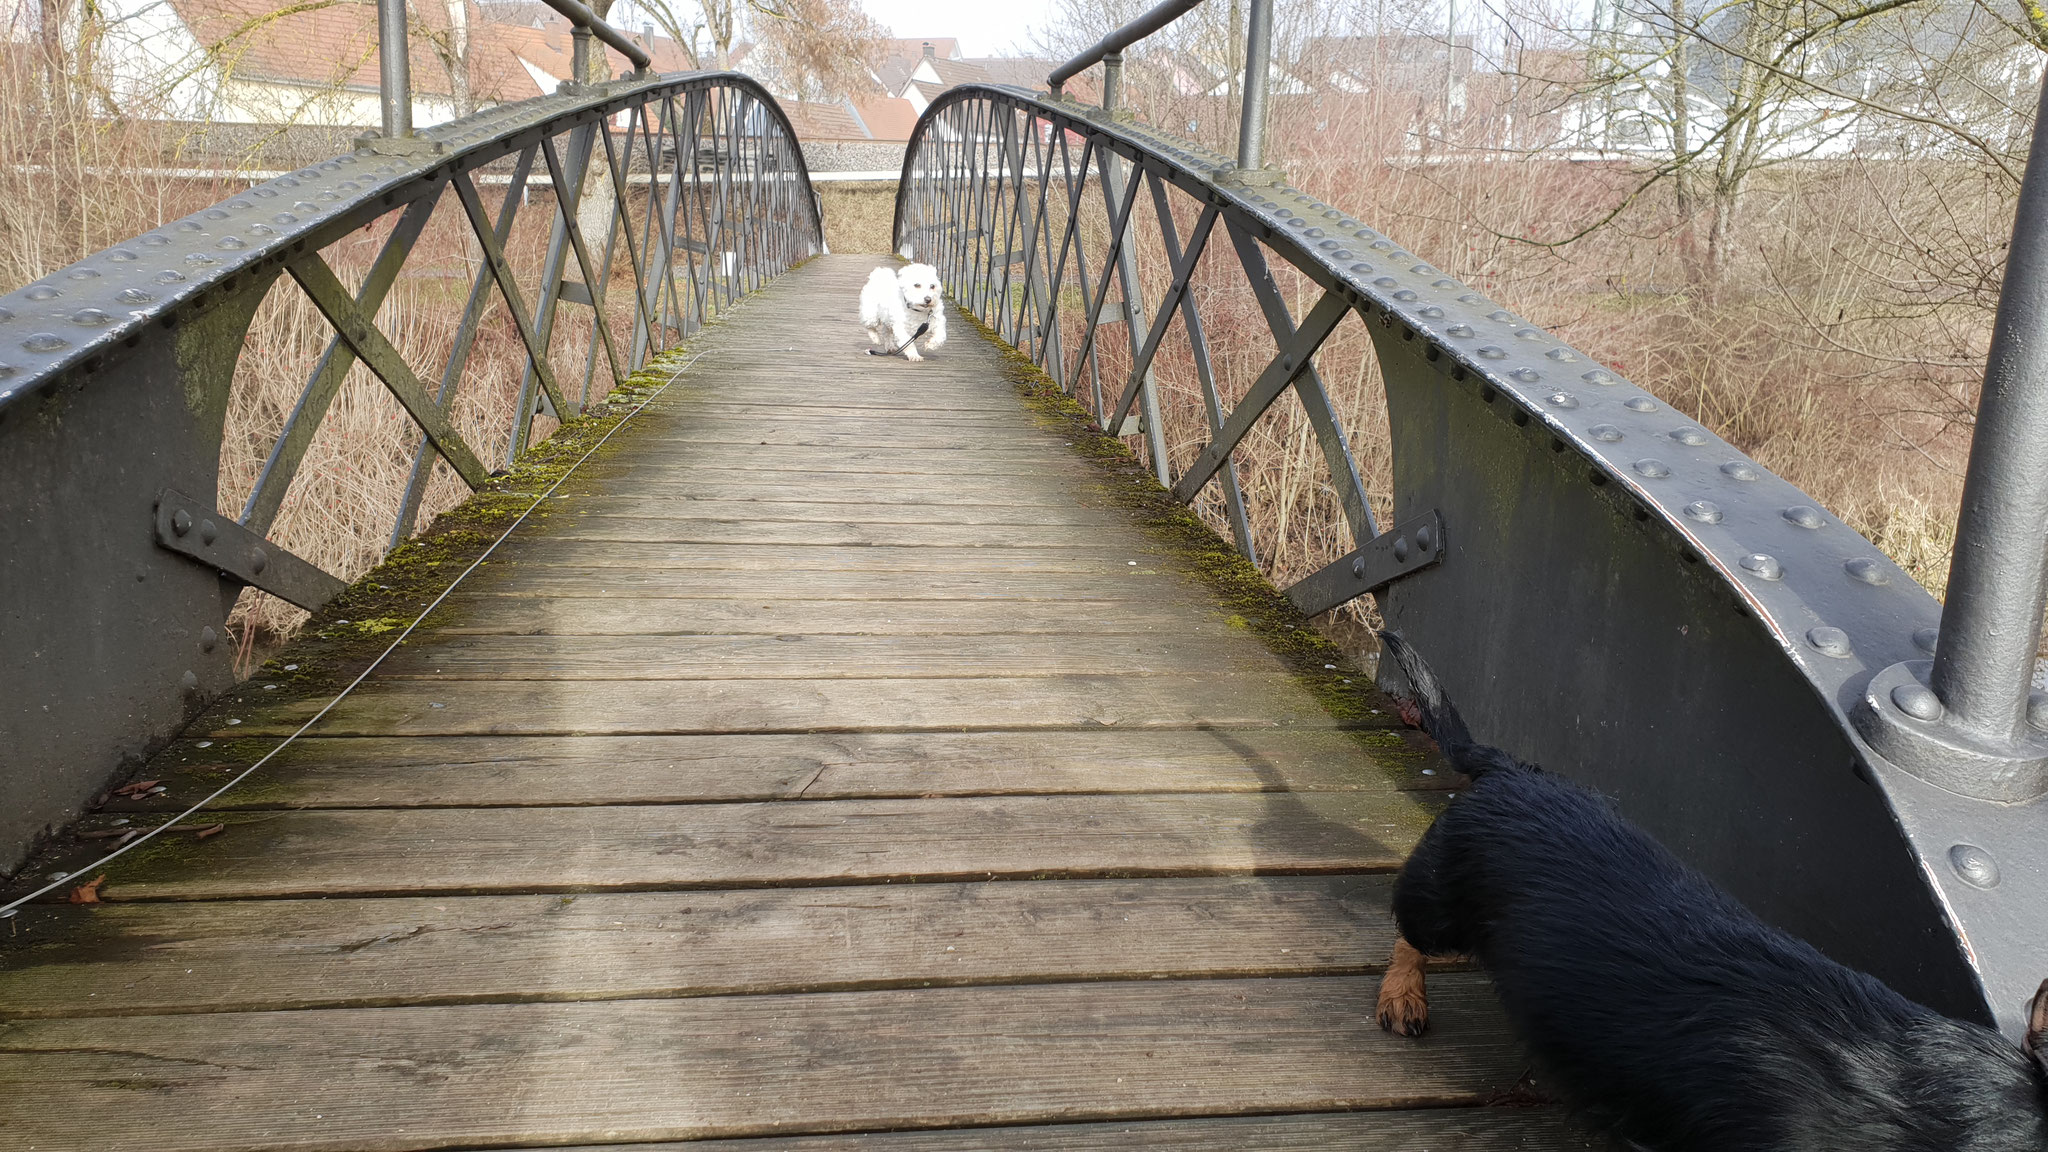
(1998, 581)
(1969, 720)
(1258, 56)
(395, 69)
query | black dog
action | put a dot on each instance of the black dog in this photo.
(1661, 1007)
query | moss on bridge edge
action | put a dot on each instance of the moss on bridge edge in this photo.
(1339, 685)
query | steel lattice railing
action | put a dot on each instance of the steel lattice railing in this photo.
(667, 198)
(1607, 587)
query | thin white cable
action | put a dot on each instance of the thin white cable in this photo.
(9, 908)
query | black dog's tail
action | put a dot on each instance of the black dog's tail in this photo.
(1439, 717)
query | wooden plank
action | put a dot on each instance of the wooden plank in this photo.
(263, 955)
(793, 657)
(825, 559)
(470, 613)
(647, 517)
(1431, 1130)
(341, 852)
(391, 1080)
(513, 578)
(1225, 698)
(709, 479)
(857, 523)
(491, 771)
(1015, 460)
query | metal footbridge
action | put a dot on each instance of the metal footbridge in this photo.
(798, 749)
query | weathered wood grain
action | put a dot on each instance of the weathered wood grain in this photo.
(484, 613)
(1224, 697)
(792, 657)
(262, 955)
(1508, 1129)
(332, 852)
(397, 1079)
(508, 771)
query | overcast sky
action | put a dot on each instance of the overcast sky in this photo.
(984, 27)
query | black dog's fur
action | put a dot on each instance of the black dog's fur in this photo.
(1662, 1008)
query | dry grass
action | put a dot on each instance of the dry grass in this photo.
(858, 214)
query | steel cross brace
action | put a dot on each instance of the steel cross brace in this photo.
(1286, 368)
(328, 295)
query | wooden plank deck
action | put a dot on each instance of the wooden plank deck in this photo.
(829, 771)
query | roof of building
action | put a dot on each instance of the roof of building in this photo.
(335, 45)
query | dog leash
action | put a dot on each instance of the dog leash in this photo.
(8, 909)
(921, 329)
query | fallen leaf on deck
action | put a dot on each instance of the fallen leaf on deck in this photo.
(88, 892)
(137, 788)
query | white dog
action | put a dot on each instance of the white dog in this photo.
(896, 301)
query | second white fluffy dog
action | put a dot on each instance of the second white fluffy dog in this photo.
(897, 300)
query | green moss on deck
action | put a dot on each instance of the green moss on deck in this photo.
(1344, 690)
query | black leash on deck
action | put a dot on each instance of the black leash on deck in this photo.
(61, 879)
(897, 350)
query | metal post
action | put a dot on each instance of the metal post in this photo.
(1258, 55)
(396, 67)
(1998, 582)
(1969, 720)
(583, 55)
(1112, 80)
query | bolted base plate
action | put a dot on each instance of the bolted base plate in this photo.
(1234, 176)
(377, 144)
(1902, 720)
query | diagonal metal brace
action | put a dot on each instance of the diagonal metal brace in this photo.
(193, 528)
(1293, 359)
(501, 271)
(370, 346)
(1406, 548)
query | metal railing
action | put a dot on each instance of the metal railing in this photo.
(1606, 587)
(665, 199)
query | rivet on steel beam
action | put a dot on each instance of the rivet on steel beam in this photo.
(1867, 570)
(1530, 334)
(43, 292)
(1705, 511)
(91, 318)
(44, 342)
(1401, 548)
(1690, 437)
(1974, 865)
(1926, 638)
(1740, 470)
(1562, 355)
(1764, 567)
(1605, 433)
(1639, 404)
(1831, 641)
(1501, 315)
(181, 522)
(1802, 516)
(1654, 469)
(1599, 376)
(1461, 331)
(208, 638)
(1558, 399)
(258, 560)
(1918, 701)
(207, 531)
(1492, 353)
(1358, 568)
(1432, 312)
(1425, 538)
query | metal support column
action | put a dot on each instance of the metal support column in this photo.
(395, 66)
(1258, 56)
